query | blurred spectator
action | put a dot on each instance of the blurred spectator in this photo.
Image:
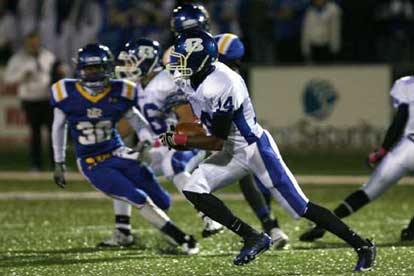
(395, 39)
(225, 16)
(272, 30)
(358, 25)
(79, 22)
(31, 68)
(48, 25)
(256, 24)
(8, 31)
(152, 19)
(28, 12)
(321, 31)
(115, 31)
(288, 15)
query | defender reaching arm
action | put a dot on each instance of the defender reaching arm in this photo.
(59, 131)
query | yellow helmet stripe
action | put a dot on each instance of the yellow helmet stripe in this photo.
(224, 43)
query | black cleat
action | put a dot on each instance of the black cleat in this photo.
(407, 234)
(366, 257)
(312, 234)
(252, 248)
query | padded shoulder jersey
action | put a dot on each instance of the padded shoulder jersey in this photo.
(92, 119)
(403, 92)
(225, 91)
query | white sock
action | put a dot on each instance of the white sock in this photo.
(153, 214)
(122, 212)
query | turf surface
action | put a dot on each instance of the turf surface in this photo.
(58, 237)
(313, 163)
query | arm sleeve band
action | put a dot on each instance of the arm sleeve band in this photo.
(221, 124)
(397, 126)
(59, 129)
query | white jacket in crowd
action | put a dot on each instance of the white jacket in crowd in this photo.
(322, 27)
(32, 74)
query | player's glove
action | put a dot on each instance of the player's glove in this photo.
(375, 157)
(172, 139)
(143, 149)
(59, 174)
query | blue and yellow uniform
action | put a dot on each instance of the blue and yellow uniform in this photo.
(102, 156)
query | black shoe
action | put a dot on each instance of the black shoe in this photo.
(252, 248)
(366, 257)
(312, 234)
(407, 234)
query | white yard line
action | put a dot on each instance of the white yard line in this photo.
(72, 176)
(302, 179)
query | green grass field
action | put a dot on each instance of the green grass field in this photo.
(315, 162)
(58, 237)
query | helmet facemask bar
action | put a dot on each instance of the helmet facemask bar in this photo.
(130, 69)
(178, 69)
(97, 81)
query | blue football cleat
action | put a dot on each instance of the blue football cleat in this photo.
(366, 257)
(253, 247)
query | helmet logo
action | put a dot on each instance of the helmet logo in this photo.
(93, 59)
(193, 45)
(145, 52)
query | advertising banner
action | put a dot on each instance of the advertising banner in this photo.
(323, 106)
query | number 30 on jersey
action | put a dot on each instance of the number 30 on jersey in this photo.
(94, 133)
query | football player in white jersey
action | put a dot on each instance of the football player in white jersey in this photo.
(158, 95)
(194, 16)
(221, 100)
(395, 159)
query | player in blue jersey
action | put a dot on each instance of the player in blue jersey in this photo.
(219, 96)
(192, 17)
(140, 62)
(91, 106)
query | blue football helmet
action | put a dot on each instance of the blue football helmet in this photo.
(194, 51)
(189, 16)
(94, 67)
(230, 47)
(138, 58)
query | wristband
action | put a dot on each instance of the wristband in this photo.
(157, 143)
(180, 140)
(382, 151)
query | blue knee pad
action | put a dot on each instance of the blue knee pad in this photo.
(180, 159)
(144, 179)
(110, 180)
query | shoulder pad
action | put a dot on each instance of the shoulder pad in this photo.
(128, 88)
(59, 92)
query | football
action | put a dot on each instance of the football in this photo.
(190, 129)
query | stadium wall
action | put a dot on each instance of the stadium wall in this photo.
(323, 107)
(311, 107)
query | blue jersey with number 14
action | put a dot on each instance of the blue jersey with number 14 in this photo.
(92, 119)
